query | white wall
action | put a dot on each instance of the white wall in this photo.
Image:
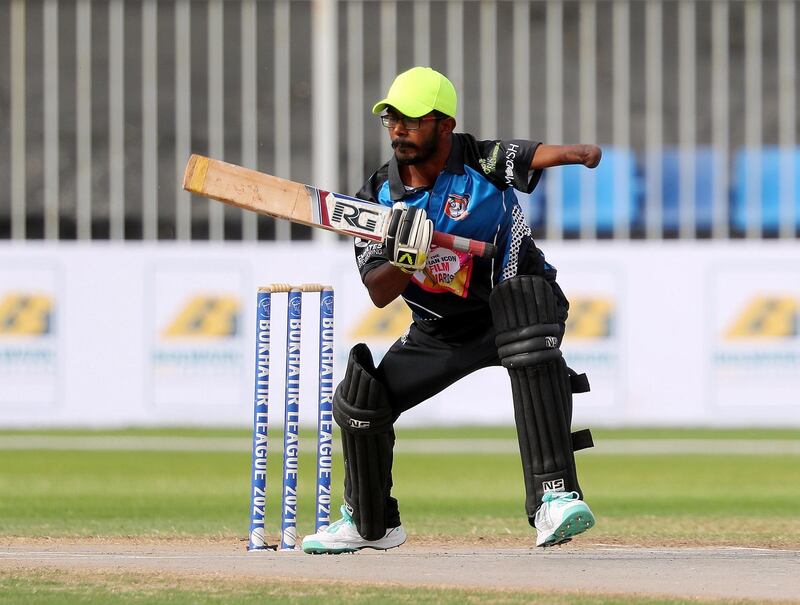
(669, 333)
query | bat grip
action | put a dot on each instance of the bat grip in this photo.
(464, 244)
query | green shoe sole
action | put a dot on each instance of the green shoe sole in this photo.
(577, 522)
(319, 549)
(315, 548)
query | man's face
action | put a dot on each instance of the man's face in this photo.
(414, 146)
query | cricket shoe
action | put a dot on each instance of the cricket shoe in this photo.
(561, 516)
(342, 536)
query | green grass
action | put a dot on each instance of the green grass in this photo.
(648, 499)
(43, 588)
(745, 499)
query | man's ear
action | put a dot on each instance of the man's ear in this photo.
(448, 125)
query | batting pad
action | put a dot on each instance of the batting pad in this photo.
(528, 339)
(361, 408)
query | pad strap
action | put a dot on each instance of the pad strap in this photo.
(578, 383)
(582, 440)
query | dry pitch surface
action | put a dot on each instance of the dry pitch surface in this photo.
(706, 572)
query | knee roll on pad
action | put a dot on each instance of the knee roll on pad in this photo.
(361, 408)
(528, 339)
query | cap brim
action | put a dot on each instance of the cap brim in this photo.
(412, 109)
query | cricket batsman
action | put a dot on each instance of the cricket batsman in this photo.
(468, 313)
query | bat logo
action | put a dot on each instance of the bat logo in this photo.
(352, 217)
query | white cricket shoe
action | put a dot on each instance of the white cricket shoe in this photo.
(342, 536)
(561, 516)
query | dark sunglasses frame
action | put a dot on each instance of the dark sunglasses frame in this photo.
(390, 121)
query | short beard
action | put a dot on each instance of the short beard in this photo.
(424, 151)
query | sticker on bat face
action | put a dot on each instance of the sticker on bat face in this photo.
(456, 206)
(353, 216)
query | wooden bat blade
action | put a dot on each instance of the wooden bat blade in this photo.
(280, 198)
(248, 189)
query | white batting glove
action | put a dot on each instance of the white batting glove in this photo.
(408, 237)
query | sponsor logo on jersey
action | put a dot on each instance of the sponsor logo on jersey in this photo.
(367, 252)
(446, 271)
(456, 206)
(489, 164)
(511, 153)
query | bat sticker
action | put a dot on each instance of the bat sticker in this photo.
(354, 217)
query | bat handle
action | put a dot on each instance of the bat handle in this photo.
(464, 244)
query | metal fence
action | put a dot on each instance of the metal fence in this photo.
(102, 101)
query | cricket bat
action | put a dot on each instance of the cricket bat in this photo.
(279, 198)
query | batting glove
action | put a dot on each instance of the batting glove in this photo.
(408, 237)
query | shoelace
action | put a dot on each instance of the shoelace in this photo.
(346, 519)
(561, 496)
(336, 525)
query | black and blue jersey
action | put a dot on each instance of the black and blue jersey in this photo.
(472, 197)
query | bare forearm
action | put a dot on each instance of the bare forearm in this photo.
(385, 283)
(547, 156)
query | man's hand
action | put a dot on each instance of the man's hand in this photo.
(408, 237)
(591, 155)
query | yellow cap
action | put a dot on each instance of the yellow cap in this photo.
(419, 91)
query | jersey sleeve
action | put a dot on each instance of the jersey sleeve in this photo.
(370, 254)
(507, 163)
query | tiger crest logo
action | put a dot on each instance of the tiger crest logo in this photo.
(456, 206)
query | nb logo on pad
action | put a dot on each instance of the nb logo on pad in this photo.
(359, 424)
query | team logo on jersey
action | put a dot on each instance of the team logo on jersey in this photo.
(456, 206)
